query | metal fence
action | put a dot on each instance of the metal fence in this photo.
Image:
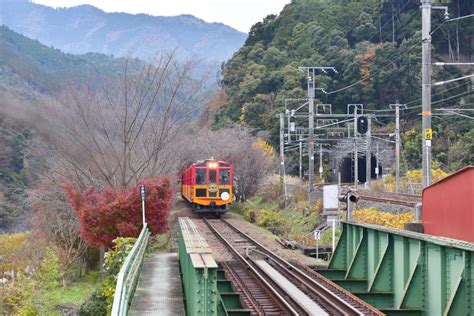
(127, 278)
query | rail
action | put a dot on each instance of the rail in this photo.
(333, 296)
(127, 277)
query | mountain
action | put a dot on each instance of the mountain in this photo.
(28, 67)
(85, 29)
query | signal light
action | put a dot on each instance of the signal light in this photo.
(212, 165)
(353, 197)
(362, 124)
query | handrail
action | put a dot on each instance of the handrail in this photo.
(127, 278)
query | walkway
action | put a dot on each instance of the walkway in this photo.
(159, 289)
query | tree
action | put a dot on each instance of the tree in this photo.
(54, 220)
(111, 213)
(116, 136)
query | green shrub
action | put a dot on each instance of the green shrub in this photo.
(19, 295)
(271, 220)
(50, 271)
(237, 208)
(96, 305)
(114, 260)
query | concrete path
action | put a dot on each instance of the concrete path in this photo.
(159, 290)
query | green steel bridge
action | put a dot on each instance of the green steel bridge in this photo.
(396, 271)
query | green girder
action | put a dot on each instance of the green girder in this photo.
(404, 273)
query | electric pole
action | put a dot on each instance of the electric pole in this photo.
(321, 162)
(301, 161)
(311, 91)
(377, 171)
(282, 151)
(368, 154)
(426, 90)
(396, 106)
(311, 140)
(356, 158)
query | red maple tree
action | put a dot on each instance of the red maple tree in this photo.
(112, 213)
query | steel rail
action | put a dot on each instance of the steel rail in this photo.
(258, 276)
(251, 299)
(390, 200)
(272, 291)
(331, 298)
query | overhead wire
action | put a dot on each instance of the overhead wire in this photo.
(383, 66)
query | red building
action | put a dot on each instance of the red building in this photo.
(448, 206)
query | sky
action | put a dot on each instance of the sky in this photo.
(239, 14)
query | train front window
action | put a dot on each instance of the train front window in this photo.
(200, 176)
(224, 176)
(212, 175)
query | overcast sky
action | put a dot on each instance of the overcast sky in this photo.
(239, 14)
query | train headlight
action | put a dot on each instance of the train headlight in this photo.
(225, 196)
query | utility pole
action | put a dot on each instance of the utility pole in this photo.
(311, 91)
(368, 154)
(311, 139)
(396, 106)
(301, 161)
(282, 151)
(377, 170)
(356, 158)
(426, 90)
(321, 162)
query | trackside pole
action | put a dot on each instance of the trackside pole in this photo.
(333, 235)
(142, 194)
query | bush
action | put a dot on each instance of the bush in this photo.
(374, 216)
(271, 220)
(96, 305)
(50, 271)
(237, 208)
(114, 260)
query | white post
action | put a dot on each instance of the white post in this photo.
(142, 194)
(317, 248)
(333, 235)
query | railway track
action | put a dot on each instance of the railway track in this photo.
(391, 198)
(318, 296)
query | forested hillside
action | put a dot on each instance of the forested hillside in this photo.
(378, 58)
(32, 75)
(27, 66)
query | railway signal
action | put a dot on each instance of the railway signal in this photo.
(362, 124)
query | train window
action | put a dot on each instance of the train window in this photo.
(224, 176)
(200, 176)
(212, 175)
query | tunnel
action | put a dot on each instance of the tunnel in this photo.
(346, 169)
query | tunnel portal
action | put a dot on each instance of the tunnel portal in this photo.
(346, 168)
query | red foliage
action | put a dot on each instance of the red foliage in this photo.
(112, 213)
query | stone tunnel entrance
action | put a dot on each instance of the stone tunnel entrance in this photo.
(346, 168)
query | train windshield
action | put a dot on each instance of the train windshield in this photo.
(224, 176)
(212, 175)
(200, 176)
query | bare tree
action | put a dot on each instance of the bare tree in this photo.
(54, 220)
(115, 136)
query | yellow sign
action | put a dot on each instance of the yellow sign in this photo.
(428, 133)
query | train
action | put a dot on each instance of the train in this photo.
(207, 186)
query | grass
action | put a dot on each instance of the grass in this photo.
(76, 293)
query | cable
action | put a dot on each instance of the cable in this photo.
(438, 93)
(390, 20)
(372, 74)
